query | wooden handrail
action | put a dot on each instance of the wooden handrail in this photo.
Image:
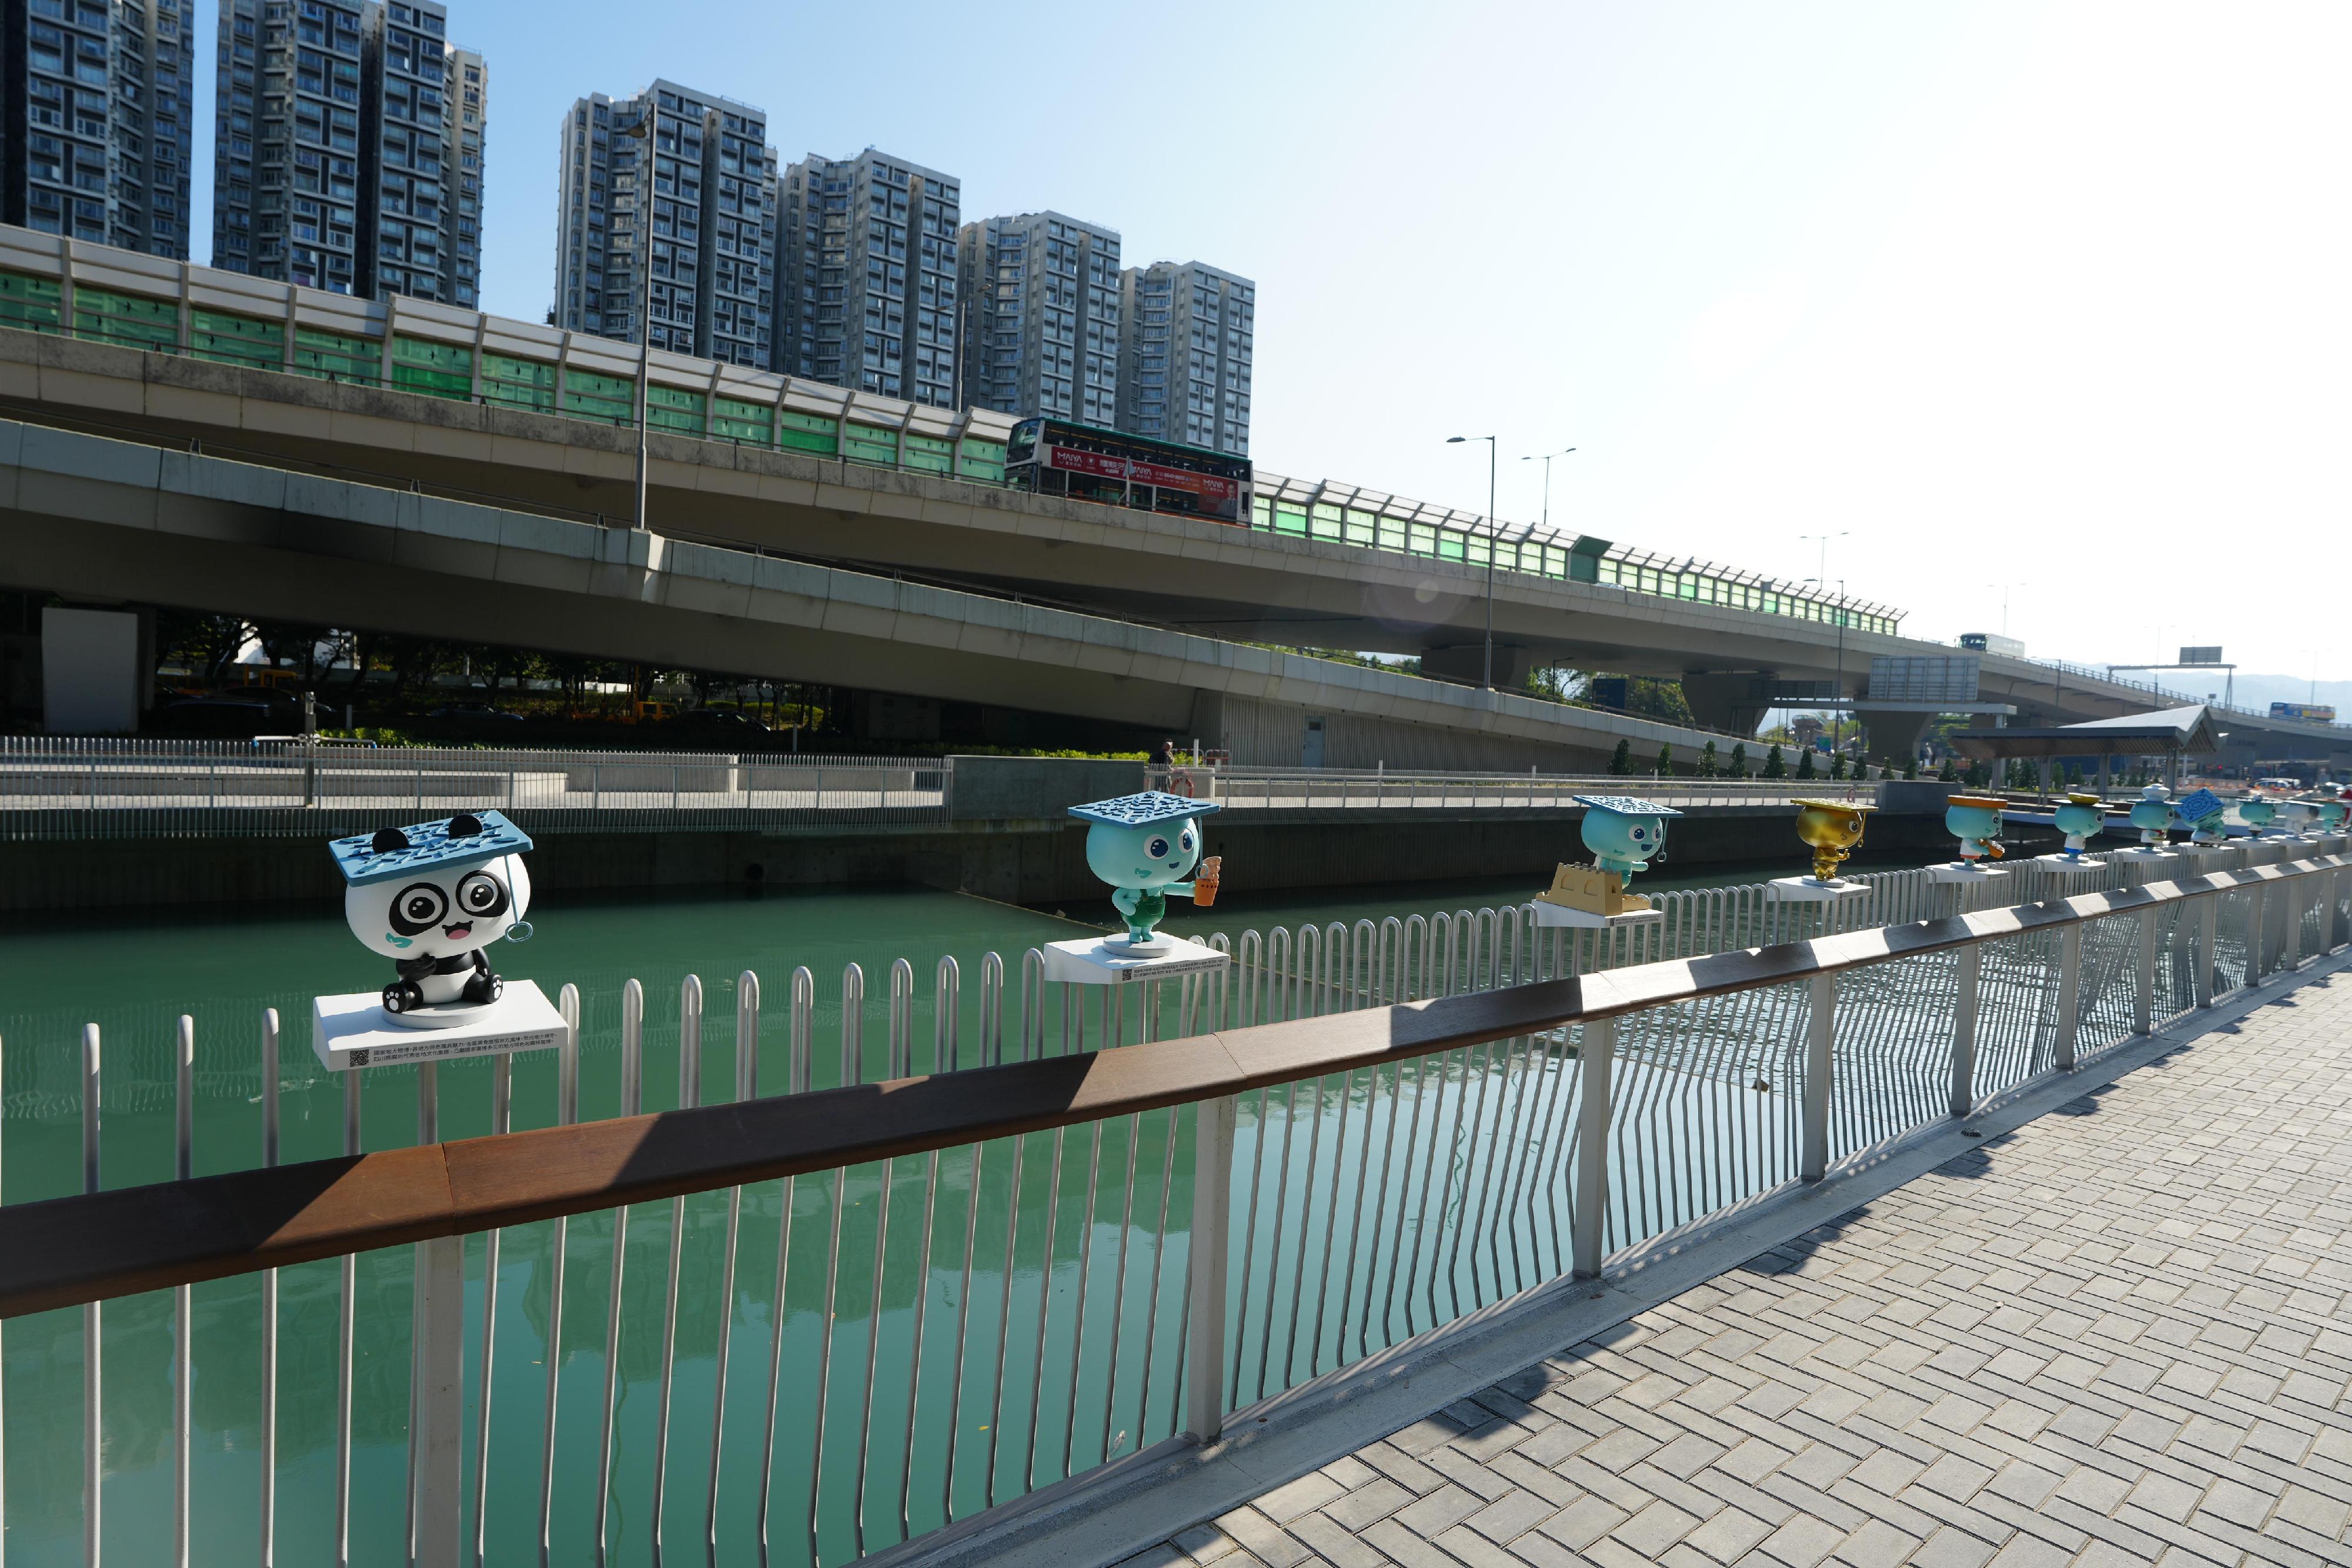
(68, 1250)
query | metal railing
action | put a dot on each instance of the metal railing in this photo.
(923, 1309)
(2106, 675)
(1332, 788)
(66, 788)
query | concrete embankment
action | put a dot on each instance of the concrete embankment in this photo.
(1007, 837)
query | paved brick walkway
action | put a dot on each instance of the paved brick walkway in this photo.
(2120, 1334)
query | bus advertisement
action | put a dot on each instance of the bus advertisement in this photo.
(1060, 458)
(2309, 713)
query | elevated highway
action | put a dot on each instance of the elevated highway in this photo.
(1204, 577)
(108, 520)
(522, 417)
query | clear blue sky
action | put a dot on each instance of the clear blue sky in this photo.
(2049, 296)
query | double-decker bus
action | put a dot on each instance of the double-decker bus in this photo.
(1058, 457)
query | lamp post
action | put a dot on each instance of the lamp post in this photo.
(1492, 534)
(1837, 715)
(1546, 457)
(1820, 580)
(643, 131)
(2004, 587)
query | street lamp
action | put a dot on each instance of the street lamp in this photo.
(1821, 581)
(2004, 587)
(1492, 534)
(643, 131)
(1546, 458)
(1837, 715)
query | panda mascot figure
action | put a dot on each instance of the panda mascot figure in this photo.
(431, 897)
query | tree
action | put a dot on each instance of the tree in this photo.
(1646, 696)
(1550, 685)
(1774, 768)
(205, 645)
(1740, 759)
(1911, 765)
(1837, 765)
(1665, 762)
(1947, 775)
(1621, 761)
(1805, 762)
(1706, 763)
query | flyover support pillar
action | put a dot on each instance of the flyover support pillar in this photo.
(1893, 735)
(1726, 703)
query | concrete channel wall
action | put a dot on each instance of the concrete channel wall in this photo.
(1009, 838)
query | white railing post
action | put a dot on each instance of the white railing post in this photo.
(1964, 1029)
(2206, 948)
(1212, 1171)
(2143, 980)
(93, 1431)
(2070, 992)
(2337, 933)
(2258, 933)
(2290, 937)
(1590, 1201)
(1821, 1034)
(183, 1306)
(435, 1434)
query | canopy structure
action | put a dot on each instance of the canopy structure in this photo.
(2172, 732)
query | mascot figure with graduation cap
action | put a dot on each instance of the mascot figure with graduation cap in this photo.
(430, 897)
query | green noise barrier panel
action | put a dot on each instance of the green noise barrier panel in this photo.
(35, 304)
(612, 399)
(127, 319)
(232, 339)
(332, 356)
(518, 382)
(437, 370)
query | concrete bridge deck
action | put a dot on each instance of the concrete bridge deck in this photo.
(106, 520)
(2118, 1334)
(1197, 575)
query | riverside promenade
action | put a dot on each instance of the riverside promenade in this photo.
(2116, 1332)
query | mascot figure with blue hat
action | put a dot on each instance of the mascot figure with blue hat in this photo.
(1143, 845)
(430, 897)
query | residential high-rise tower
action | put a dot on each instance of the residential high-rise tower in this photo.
(95, 128)
(866, 275)
(332, 164)
(465, 171)
(1039, 300)
(1187, 337)
(711, 200)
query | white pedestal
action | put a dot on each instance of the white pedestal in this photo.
(354, 1030)
(1812, 890)
(1109, 961)
(2069, 865)
(1964, 870)
(1556, 915)
(2142, 853)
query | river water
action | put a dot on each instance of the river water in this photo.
(1060, 1215)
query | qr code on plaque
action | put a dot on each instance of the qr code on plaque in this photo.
(360, 1058)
